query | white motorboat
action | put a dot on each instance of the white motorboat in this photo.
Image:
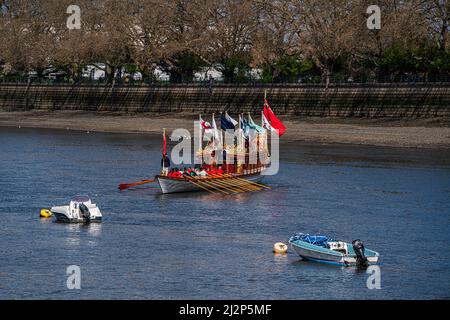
(322, 249)
(80, 210)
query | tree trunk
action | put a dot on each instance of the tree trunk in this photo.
(110, 73)
(326, 74)
(175, 76)
(444, 30)
(228, 75)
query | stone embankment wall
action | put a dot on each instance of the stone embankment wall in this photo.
(367, 100)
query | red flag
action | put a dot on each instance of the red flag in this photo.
(164, 150)
(275, 123)
(206, 127)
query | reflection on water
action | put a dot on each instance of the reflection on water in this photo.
(79, 234)
(95, 229)
(202, 245)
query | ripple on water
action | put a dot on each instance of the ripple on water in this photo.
(200, 246)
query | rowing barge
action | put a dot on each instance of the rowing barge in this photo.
(228, 183)
(235, 159)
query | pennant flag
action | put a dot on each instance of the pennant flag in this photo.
(234, 122)
(227, 122)
(254, 126)
(271, 122)
(216, 135)
(244, 126)
(241, 137)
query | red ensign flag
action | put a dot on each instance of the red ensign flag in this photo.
(275, 123)
(164, 150)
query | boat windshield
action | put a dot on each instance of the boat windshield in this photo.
(80, 199)
(318, 240)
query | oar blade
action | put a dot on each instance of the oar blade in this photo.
(123, 186)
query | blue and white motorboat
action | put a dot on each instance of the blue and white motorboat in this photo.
(320, 248)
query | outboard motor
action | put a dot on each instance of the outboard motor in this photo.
(85, 212)
(361, 260)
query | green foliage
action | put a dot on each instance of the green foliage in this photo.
(287, 69)
(236, 67)
(183, 66)
(396, 60)
(131, 68)
(425, 59)
(434, 60)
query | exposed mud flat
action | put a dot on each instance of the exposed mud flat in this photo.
(417, 133)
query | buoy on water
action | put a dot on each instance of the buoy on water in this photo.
(45, 213)
(280, 248)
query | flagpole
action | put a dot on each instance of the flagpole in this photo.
(200, 140)
(242, 133)
(239, 147)
(262, 119)
(164, 134)
(214, 138)
(239, 131)
(266, 133)
(221, 132)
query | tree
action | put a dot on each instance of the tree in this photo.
(275, 43)
(284, 38)
(402, 28)
(437, 13)
(187, 22)
(146, 27)
(29, 34)
(228, 38)
(324, 32)
(287, 69)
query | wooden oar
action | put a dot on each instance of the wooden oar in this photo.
(232, 183)
(243, 182)
(210, 184)
(246, 185)
(242, 187)
(225, 186)
(218, 180)
(228, 180)
(238, 183)
(123, 186)
(232, 179)
(189, 179)
(252, 182)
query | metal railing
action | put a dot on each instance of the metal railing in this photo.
(341, 80)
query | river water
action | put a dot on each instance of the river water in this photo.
(207, 246)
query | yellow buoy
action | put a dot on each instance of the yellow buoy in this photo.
(45, 213)
(280, 247)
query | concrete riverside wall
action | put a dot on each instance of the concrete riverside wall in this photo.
(367, 100)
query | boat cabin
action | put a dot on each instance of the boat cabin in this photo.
(338, 246)
(74, 205)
